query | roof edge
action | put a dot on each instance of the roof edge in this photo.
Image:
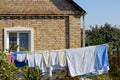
(77, 6)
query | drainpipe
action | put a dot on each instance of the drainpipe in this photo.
(83, 20)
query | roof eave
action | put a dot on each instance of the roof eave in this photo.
(83, 12)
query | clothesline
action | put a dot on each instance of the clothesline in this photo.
(91, 60)
(51, 50)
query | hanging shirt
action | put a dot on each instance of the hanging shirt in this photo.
(81, 60)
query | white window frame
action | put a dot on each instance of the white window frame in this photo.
(19, 29)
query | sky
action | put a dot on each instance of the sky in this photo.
(101, 12)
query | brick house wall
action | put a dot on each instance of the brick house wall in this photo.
(56, 26)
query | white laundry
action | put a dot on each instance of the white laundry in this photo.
(39, 62)
(61, 58)
(80, 60)
(21, 57)
(46, 58)
(31, 60)
(53, 58)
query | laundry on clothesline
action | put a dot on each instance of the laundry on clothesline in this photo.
(81, 60)
(86, 61)
(10, 57)
(62, 58)
(19, 59)
(39, 62)
(102, 63)
(31, 60)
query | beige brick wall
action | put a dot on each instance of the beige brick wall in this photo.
(75, 32)
(49, 33)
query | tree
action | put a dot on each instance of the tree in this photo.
(103, 34)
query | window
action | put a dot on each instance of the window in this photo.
(18, 36)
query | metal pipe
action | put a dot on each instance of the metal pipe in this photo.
(83, 30)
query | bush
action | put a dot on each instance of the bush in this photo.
(7, 71)
(32, 73)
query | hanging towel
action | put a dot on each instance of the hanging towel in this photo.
(21, 57)
(38, 59)
(39, 62)
(80, 60)
(46, 58)
(53, 58)
(102, 63)
(61, 58)
(31, 60)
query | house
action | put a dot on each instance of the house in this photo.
(40, 24)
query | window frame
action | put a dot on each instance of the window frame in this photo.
(18, 29)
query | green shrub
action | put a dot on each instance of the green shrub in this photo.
(7, 71)
(32, 73)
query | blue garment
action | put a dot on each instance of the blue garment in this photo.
(20, 64)
(102, 64)
(17, 63)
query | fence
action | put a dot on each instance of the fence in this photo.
(116, 57)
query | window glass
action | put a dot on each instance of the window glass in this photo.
(23, 41)
(13, 40)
